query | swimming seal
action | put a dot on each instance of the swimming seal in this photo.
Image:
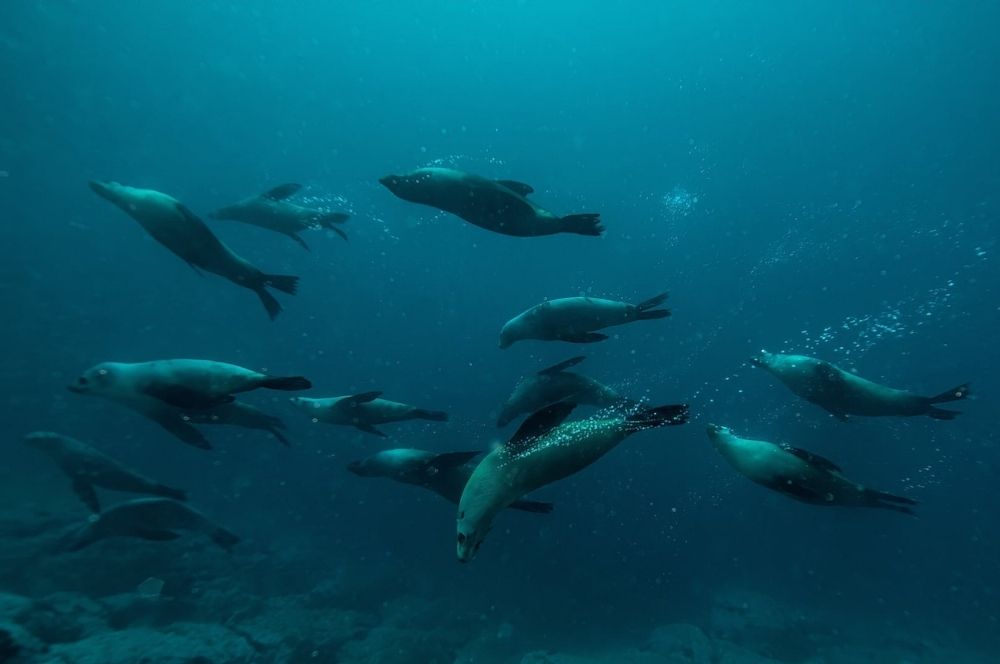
(444, 474)
(155, 519)
(543, 451)
(842, 393)
(799, 474)
(363, 411)
(182, 232)
(500, 206)
(556, 384)
(574, 319)
(87, 468)
(272, 211)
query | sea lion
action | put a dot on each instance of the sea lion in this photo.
(799, 474)
(364, 411)
(444, 474)
(556, 384)
(182, 232)
(155, 519)
(842, 393)
(272, 211)
(87, 468)
(543, 451)
(500, 206)
(240, 414)
(574, 319)
(163, 390)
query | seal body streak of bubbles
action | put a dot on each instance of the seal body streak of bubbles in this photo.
(272, 211)
(799, 474)
(501, 206)
(574, 319)
(544, 450)
(554, 384)
(87, 468)
(163, 390)
(842, 393)
(154, 519)
(178, 229)
(445, 474)
(363, 411)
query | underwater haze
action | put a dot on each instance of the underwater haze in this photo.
(817, 178)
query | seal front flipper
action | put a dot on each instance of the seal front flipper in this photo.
(368, 428)
(282, 191)
(532, 506)
(796, 489)
(584, 337)
(540, 423)
(181, 429)
(813, 459)
(582, 224)
(363, 397)
(518, 188)
(562, 366)
(452, 459)
(85, 492)
(186, 398)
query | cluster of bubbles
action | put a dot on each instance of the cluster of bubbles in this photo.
(679, 203)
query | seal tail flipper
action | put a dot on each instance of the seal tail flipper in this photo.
(297, 238)
(170, 492)
(287, 383)
(224, 538)
(85, 492)
(433, 415)
(532, 506)
(888, 501)
(954, 394)
(284, 282)
(645, 309)
(657, 417)
(582, 224)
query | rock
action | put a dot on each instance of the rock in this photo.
(17, 644)
(389, 645)
(64, 617)
(182, 643)
(682, 642)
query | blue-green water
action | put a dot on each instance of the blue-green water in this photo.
(816, 177)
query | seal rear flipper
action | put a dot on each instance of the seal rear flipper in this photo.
(584, 337)
(794, 488)
(297, 238)
(182, 430)
(156, 535)
(813, 459)
(284, 282)
(282, 191)
(582, 224)
(452, 459)
(85, 492)
(224, 538)
(276, 432)
(328, 220)
(562, 366)
(540, 423)
(888, 501)
(286, 383)
(518, 188)
(185, 398)
(532, 506)
(954, 394)
(671, 414)
(271, 305)
(432, 415)
(368, 428)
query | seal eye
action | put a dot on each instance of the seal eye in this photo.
(103, 372)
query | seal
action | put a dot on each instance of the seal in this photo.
(164, 390)
(363, 411)
(155, 519)
(500, 206)
(574, 319)
(241, 414)
(544, 450)
(799, 474)
(87, 468)
(178, 229)
(272, 211)
(444, 474)
(556, 384)
(842, 393)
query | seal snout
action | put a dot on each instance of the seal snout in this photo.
(102, 189)
(389, 181)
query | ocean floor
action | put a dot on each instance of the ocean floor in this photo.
(218, 609)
